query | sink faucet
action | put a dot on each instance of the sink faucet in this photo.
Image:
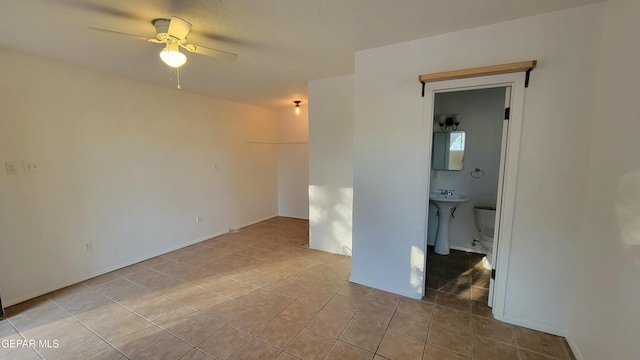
(446, 192)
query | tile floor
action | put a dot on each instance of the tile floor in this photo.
(261, 294)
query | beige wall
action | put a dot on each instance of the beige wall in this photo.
(331, 164)
(390, 174)
(605, 316)
(123, 164)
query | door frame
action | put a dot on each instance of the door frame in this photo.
(508, 170)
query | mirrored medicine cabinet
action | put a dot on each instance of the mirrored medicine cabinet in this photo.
(448, 150)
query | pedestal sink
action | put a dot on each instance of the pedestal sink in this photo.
(445, 205)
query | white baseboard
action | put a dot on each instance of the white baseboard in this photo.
(471, 250)
(574, 348)
(402, 292)
(532, 324)
(237, 227)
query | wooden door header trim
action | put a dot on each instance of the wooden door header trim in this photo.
(479, 71)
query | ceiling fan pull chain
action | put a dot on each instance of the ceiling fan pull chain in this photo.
(178, 75)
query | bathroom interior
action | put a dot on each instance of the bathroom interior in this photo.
(465, 170)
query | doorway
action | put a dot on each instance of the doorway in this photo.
(506, 171)
(468, 167)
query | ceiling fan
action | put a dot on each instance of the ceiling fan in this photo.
(173, 34)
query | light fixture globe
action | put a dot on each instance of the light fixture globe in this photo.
(172, 56)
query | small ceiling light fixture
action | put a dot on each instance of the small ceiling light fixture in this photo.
(446, 121)
(172, 56)
(297, 102)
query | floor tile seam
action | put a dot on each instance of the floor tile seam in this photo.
(90, 330)
(217, 331)
(474, 334)
(470, 356)
(317, 332)
(151, 321)
(543, 354)
(385, 329)
(22, 336)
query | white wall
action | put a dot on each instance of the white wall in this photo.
(293, 162)
(123, 164)
(482, 114)
(331, 164)
(606, 316)
(390, 175)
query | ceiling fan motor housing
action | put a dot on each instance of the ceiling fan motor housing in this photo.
(162, 31)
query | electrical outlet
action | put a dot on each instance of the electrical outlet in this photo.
(34, 166)
(198, 218)
(26, 166)
(88, 246)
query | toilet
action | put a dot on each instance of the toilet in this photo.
(485, 218)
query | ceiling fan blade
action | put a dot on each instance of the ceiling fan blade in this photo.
(197, 49)
(179, 28)
(120, 33)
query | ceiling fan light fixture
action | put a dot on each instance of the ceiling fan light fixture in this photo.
(172, 56)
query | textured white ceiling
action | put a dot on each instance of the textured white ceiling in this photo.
(281, 44)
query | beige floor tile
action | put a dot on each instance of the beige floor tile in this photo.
(194, 329)
(196, 354)
(34, 313)
(287, 356)
(113, 321)
(329, 323)
(413, 327)
(344, 305)
(486, 349)
(443, 337)
(355, 291)
(453, 301)
(418, 308)
(310, 345)
(256, 349)
(435, 353)
(540, 342)
(279, 332)
(262, 281)
(134, 343)
(399, 347)
(74, 342)
(342, 351)
(251, 321)
(299, 312)
(493, 329)
(226, 311)
(330, 284)
(479, 294)
(460, 286)
(363, 334)
(290, 288)
(75, 295)
(169, 348)
(163, 309)
(383, 299)
(375, 314)
(224, 342)
(453, 319)
(99, 280)
(315, 296)
(530, 355)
